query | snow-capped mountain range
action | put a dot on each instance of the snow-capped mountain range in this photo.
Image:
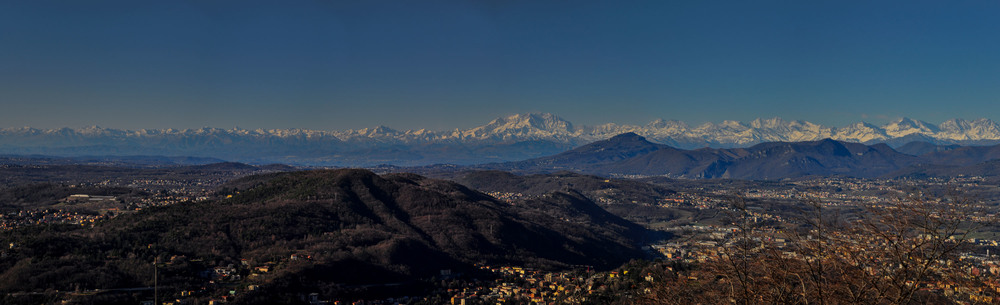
(507, 138)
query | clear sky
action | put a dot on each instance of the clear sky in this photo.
(456, 64)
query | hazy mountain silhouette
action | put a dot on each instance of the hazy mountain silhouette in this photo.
(632, 155)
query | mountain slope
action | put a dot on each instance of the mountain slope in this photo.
(348, 227)
(464, 223)
(816, 158)
(630, 154)
(918, 148)
(963, 156)
(612, 191)
(621, 147)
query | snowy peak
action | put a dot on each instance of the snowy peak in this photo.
(379, 130)
(523, 127)
(535, 121)
(778, 129)
(959, 129)
(860, 132)
(956, 126)
(667, 125)
(906, 126)
(529, 126)
(771, 123)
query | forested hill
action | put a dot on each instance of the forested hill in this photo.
(354, 226)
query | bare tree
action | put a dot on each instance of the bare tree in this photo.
(905, 245)
(882, 254)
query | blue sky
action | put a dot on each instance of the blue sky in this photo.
(457, 64)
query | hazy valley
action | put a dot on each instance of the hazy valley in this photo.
(621, 220)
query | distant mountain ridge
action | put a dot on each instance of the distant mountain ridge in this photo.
(630, 155)
(514, 137)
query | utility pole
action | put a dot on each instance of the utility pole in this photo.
(156, 300)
